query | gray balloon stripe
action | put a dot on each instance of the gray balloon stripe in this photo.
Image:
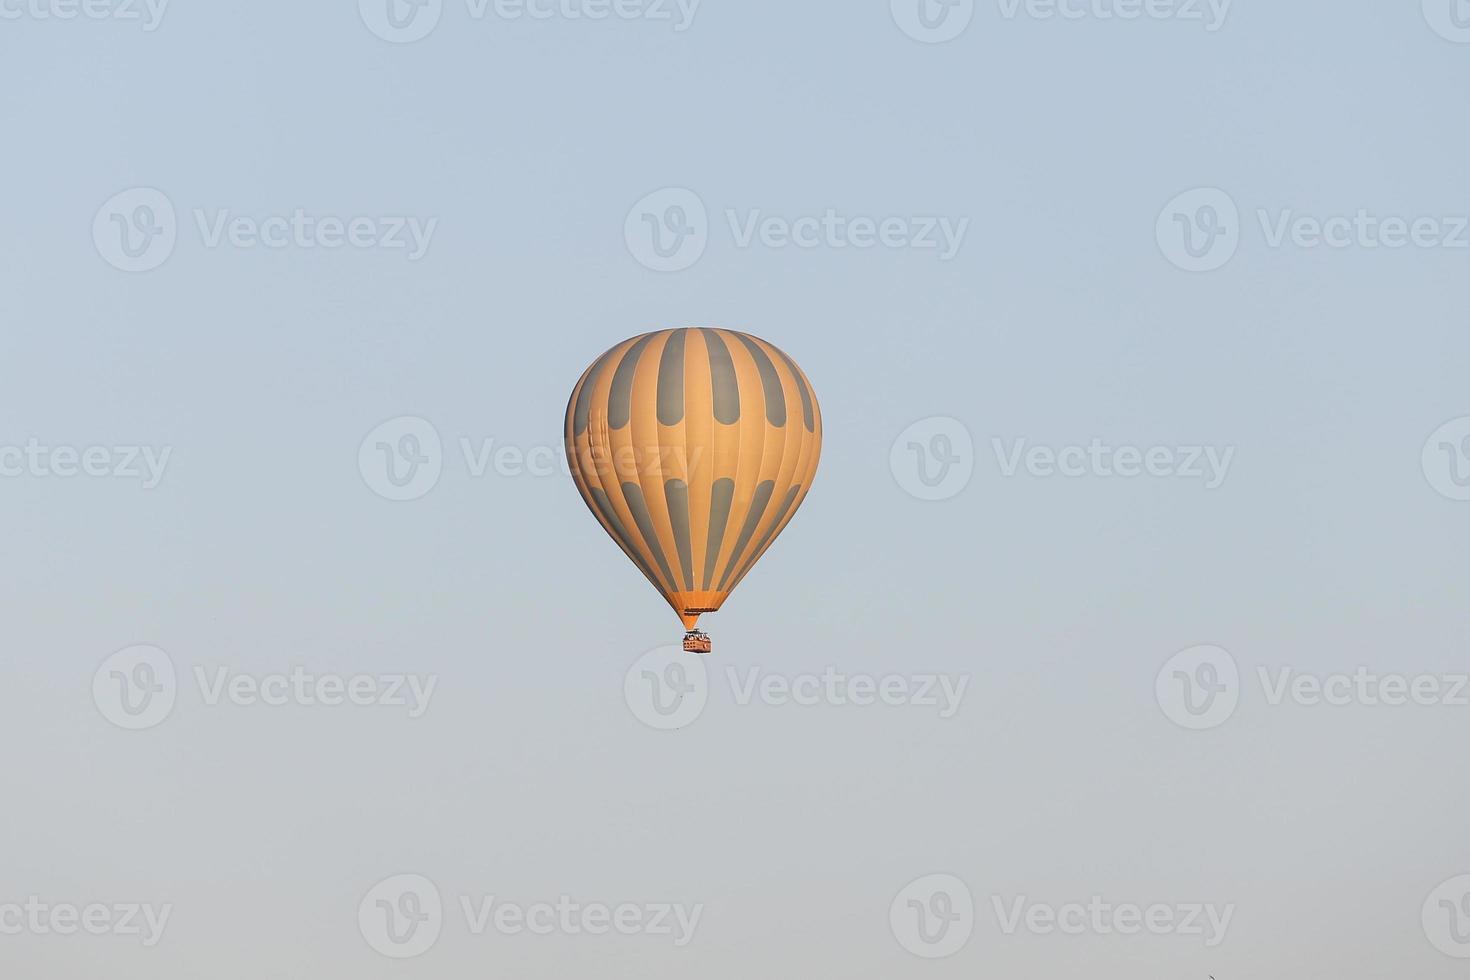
(723, 382)
(605, 508)
(770, 382)
(770, 532)
(721, 494)
(752, 520)
(671, 380)
(676, 495)
(633, 494)
(584, 396)
(620, 399)
(808, 415)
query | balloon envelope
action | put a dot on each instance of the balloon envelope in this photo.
(693, 448)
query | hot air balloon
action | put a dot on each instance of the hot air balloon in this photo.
(693, 448)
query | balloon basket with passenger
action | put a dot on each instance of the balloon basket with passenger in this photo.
(697, 641)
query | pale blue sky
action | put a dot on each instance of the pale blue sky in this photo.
(1060, 319)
